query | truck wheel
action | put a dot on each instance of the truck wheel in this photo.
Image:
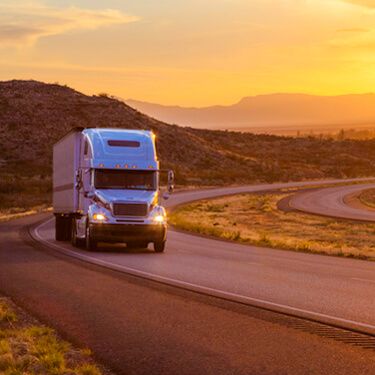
(159, 246)
(76, 242)
(91, 244)
(59, 228)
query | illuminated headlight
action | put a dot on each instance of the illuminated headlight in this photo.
(159, 218)
(99, 217)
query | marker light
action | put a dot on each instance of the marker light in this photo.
(159, 218)
(99, 217)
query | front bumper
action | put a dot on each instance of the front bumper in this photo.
(128, 232)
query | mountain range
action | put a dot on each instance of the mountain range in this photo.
(274, 113)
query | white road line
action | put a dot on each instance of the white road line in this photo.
(364, 280)
(203, 289)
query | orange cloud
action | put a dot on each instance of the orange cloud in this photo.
(25, 24)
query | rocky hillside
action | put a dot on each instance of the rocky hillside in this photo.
(34, 115)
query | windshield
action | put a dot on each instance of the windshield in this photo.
(124, 179)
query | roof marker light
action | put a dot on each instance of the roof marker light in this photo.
(117, 166)
(126, 166)
(101, 165)
(134, 166)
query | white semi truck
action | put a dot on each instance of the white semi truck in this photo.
(106, 189)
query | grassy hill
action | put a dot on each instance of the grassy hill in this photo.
(34, 115)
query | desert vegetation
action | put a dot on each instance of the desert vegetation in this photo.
(340, 135)
(34, 115)
(21, 190)
(255, 219)
(27, 347)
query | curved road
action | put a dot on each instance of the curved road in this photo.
(328, 289)
(332, 202)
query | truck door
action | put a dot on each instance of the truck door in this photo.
(85, 171)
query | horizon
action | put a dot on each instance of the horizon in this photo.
(193, 54)
(278, 117)
(250, 96)
(104, 92)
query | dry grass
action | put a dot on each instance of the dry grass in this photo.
(26, 347)
(367, 198)
(255, 219)
(17, 212)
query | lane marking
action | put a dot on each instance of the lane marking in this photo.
(365, 280)
(203, 289)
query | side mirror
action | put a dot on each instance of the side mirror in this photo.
(166, 196)
(170, 181)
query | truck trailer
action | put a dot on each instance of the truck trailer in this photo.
(106, 189)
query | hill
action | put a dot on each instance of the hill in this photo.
(34, 115)
(277, 113)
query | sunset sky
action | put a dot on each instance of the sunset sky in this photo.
(191, 52)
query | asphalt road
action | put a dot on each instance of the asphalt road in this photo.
(328, 289)
(141, 327)
(331, 202)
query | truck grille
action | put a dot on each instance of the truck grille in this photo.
(130, 209)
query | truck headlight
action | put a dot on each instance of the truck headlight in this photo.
(99, 217)
(159, 218)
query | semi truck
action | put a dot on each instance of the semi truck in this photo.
(106, 188)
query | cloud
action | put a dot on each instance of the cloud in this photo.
(25, 23)
(363, 3)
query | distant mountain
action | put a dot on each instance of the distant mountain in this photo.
(272, 112)
(34, 115)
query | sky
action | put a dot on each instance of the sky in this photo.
(191, 52)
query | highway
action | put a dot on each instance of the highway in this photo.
(137, 326)
(332, 290)
(332, 202)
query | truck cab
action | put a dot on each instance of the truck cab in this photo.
(111, 179)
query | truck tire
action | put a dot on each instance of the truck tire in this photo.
(76, 242)
(59, 228)
(159, 246)
(91, 244)
(62, 228)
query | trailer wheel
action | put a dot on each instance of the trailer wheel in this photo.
(62, 228)
(159, 246)
(91, 244)
(59, 228)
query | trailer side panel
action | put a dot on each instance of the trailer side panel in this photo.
(65, 162)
